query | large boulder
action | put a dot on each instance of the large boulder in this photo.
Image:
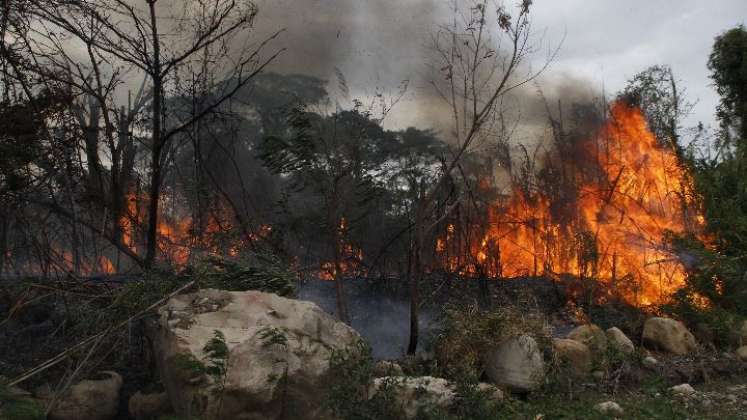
(413, 393)
(591, 335)
(619, 341)
(574, 357)
(277, 360)
(91, 399)
(515, 364)
(668, 335)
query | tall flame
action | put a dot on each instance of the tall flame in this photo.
(635, 191)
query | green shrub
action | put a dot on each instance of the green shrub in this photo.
(349, 395)
(18, 407)
(264, 272)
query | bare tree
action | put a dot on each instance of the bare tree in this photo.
(159, 40)
(480, 57)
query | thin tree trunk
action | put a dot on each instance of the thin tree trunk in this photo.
(415, 273)
(155, 177)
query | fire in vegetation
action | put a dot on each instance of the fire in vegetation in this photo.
(349, 257)
(180, 236)
(627, 191)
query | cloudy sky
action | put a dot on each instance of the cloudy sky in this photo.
(377, 43)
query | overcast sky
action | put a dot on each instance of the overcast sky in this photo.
(377, 43)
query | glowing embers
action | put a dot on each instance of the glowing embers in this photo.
(629, 191)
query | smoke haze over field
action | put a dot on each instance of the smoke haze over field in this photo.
(378, 43)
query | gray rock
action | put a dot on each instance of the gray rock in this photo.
(414, 393)
(610, 408)
(650, 363)
(683, 390)
(617, 339)
(278, 354)
(515, 364)
(574, 357)
(668, 335)
(592, 336)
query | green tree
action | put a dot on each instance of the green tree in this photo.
(728, 65)
(333, 157)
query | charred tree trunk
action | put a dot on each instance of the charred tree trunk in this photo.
(415, 273)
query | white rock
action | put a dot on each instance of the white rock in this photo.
(620, 341)
(414, 393)
(650, 362)
(668, 335)
(516, 364)
(682, 390)
(278, 361)
(610, 408)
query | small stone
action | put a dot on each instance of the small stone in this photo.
(415, 393)
(495, 394)
(610, 408)
(682, 390)
(598, 375)
(386, 368)
(650, 362)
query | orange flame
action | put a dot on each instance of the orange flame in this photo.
(623, 211)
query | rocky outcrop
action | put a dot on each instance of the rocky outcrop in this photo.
(573, 357)
(619, 341)
(515, 364)
(592, 336)
(91, 399)
(668, 335)
(413, 393)
(276, 359)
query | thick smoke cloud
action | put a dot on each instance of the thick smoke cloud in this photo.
(376, 44)
(373, 42)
